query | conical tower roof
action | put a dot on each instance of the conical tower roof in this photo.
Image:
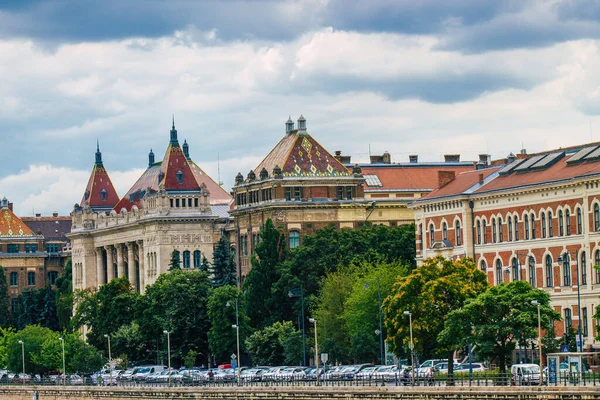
(10, 224)
(99, 193)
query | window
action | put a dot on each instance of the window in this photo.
(561, 224)
(12, 248)
(584, 315)
(515, 269)
(431, 235)
(597, 262)
(485, 237)
(33, 248)
(483, 266)
(579, 222)
(516, 228)
(568, 319)
(294, 239)
(596, 217)
(31, 278)
(510, 229)
(543, 222)
(532, 271)
(197, 259)
(499, 278)
(52, 248)
(349, 192)
(478, 232)
(14, 279)
(568, 222)
(550, 226)
(549, 272)
(494, 234)
(583, 268)
(533, 226)
(297, 193)
(288, 193)
(566, 270)
(444, 231)
(52, 275)
(458, 233)
(103, 194)
(500, 230)
(14, 305)
(186, 259)
(526, 227)
(179, 177)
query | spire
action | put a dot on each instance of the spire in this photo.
(186, 149)
(150, 158)
(289, 125)
(98, 154)
(174, 140)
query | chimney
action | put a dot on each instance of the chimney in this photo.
(38, 215)
(483, 158)
(302, 124)
(289, 126)
(445, 177)
(10, 206)
(387, 158)
(452, 157)
(523, 152)
(413, 158)
(511, 158)
(55, 214)
(341, 158)
(481, 179)
(480, 165)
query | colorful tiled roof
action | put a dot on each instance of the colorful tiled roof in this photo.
(408, 177)
(299, 154)
(12, 226)
(99, 193)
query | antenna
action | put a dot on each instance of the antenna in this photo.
(219, 170)
(591, 140)
(369, 150)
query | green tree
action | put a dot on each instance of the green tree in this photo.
(5, 317)
(175, 262)
(223, 269)
(33, 337)
(80, 357)
(128, 340)
(205, 265)
(276, 344)
(177, 302)
(64, 302)
(48, 318)
(497, 318)
(430, 292)
(221, 312)
(261, 305)
(29, 314)
(551, 343)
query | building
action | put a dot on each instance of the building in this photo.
(33, 250)
(530, 217)
(173, 206)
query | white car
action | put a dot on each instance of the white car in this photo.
(292, 374)
(464, 368)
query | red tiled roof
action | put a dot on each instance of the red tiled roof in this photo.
(99, 180)
(299, 154)
(461, 183)
(13, 226)
(173, 163)
(401, 177)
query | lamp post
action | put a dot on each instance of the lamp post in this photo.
(63, 356)
(23, 358)
(567, 258)
(411, 346)
(107, 336)
(380, 330)
(236, 326)
(292, 293)
(166, 332)
(314, 321)
(537, 303)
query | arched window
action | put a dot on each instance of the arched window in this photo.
(568, 222)
(583, 268)
(458, 233)
(510, 229)
(295, 239)
(568, 319)
(549, 271)
(197, 259)
(494, 234)
(500, 230)
(533, 226)
(561, 224)
(597, 262)
(566, 270)
(531, 265)
(526, 227)
(550, 226)
(103, 194)
(485, 238)
(483, 266)
(478, 232)
(52, 275)
(516, 227)
(596, 217)
(431, 235)
(499, 278)
(543, 221)
(186, 259)
(515, 269)
(579, 222)
(444, 231)
(14, 278)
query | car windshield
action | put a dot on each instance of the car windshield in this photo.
(534, 369)
(368, 369)
(288, 370)
(143, 370)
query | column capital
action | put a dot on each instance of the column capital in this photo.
(108, 247)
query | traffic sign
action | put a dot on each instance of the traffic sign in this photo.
(324, 357)
(565, 348)
(233, 356)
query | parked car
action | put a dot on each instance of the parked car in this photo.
(194, 377)
(292, 374)
(22, 378)
(464, 368)
(442, 367)
(225, 375)
(272, 373)
(311, 373)
(424, 367)
(127, 375)
(525, 374)
(252, 374)
(143, 372)
(336, 372)
(386, 372)
(350, 372)
(366, 373)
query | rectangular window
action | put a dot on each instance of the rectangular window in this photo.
(14, 305)
(31, 278)
(584, 315)
(189, 202)
(349, 192)
(34, 248)
(52, 248)
(12, 248)
(14, 279)
(288, 193)
(568, 318)
(196, 202)
(26, 248)
(298, 193)
(339, 192)
(177, 203)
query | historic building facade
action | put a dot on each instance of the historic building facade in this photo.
(33, 250)
(533, 218)
(174, 206)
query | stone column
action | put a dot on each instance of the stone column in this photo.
(99, 268)
(131, 265)
(110, 272)
(120, 261)
(140, 244)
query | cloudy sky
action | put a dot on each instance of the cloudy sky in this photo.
(409, 77)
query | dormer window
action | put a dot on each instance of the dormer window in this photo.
(86, 195)
(161, 175)
(103, 194)
(179, 177)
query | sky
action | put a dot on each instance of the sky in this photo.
(408, 77)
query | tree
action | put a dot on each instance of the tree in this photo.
(430, 292)
(33, 336)
(175, 262)
(205, 265)
(497, 318)
(128, 340)
(5, 317)
(276, 344)
(29, 314)
(264, 274)
(223, 269)
(48, 318)
(64, 302)
(80, 357)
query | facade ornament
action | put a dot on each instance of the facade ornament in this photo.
(264, 174)
(251, 176)
(357, 170)
(277, 174)
(239, 179)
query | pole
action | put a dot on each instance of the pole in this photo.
(107, 336)
(237, 328)
(411, 346)
(383, 360)
(303, 330)
(470, 364)
(580, 347)
(168, 353)
(314, 321)
(23, 358)
(63, 359)
(540, 340)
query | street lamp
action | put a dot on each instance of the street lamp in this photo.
(314, 321)
(537, 303)
(63, 354)
(567, 259)
(380, 330)
(23, 358)
(293, 293)
(411, 346)
(107, 336)
(236, 326)
(166, 332)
